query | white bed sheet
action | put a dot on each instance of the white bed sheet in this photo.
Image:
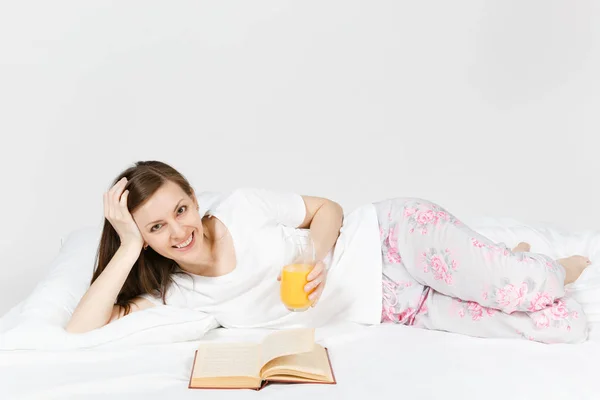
(369, 362)
(387, 361)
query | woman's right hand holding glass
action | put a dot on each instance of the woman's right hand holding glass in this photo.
(117, 213)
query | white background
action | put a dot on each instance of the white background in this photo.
(489, 108)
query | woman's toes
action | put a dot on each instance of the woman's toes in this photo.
(574, 266)
(581, 260)
(585, 260)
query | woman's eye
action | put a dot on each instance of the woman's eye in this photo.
(155, 227)
(181, 208)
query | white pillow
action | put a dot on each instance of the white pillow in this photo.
(56, 296)
(39, 320)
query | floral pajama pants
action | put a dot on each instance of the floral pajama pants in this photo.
(440, 274)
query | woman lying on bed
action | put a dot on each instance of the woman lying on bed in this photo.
(401, 260)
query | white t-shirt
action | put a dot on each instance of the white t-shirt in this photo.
(260, 222)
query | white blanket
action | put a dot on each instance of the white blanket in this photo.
(149, 355)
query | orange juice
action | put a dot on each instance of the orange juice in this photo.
(293, 280)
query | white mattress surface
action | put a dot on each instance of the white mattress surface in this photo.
(386, 361)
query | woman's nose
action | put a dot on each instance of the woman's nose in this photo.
(177, 231)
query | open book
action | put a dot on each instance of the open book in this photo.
(289, 356)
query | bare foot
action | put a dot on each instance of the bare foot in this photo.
(522, 247)
(574, 266)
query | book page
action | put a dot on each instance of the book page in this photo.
(227, 359)
(313, 365)
(289, 341)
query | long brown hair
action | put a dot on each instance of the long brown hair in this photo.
(151, 272)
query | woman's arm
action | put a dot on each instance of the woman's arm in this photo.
(324, 217)
(96, 308)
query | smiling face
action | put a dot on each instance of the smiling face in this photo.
(171, 224)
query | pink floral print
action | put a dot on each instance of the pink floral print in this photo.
(388, 313)
(390, 299)
(511, 296)
(394, 310)
(497, 249)
(405, 315)
(393, 256)
(440, 263)
(559, 310)
(389, 244)
(475, 310)
(422, 216)
(477, 243)
(556, 315)
(540, 301)
(541, 320)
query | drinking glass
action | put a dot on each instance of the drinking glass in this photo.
(294, 274)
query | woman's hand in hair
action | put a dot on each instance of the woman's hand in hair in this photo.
(116, 212)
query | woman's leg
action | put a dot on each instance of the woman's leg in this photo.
(562, 322)
(402, 295)
(439, 251)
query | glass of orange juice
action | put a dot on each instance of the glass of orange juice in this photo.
(294, 274)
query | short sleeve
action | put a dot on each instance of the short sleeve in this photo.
(281, 207)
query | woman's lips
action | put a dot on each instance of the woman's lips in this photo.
(189, 246)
